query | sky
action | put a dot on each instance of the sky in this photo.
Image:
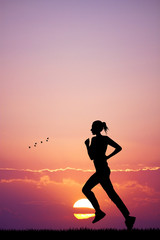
(65, 64)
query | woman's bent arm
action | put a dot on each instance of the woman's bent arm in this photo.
(115, 145)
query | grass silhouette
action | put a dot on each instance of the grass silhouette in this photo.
(84, 231)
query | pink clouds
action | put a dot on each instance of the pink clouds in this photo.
(44, 199)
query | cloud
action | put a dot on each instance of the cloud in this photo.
(45, 180)
(41, 181)
(68, 175)
(77, 169)
(70, 182)
(137, 170)
(17, 180)
(135, 186)
(48, 191)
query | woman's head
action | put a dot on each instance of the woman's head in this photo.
(98, 126)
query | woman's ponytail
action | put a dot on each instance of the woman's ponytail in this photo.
(105, 126)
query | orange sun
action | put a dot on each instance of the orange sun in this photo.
(85, 204)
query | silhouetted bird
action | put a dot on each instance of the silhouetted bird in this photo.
(35, 145)
(41, 141)
(48, 138)
(29, 146)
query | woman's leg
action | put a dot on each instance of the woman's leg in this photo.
(92, 182)
(108, 187)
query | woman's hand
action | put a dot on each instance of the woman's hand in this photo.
(87, 142)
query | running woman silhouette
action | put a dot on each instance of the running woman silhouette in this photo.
(96, 151)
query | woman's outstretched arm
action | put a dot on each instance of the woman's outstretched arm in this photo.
(115, 145)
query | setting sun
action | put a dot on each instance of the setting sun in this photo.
(83, 215)
(83, 203)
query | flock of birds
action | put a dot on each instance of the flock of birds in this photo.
(35, 145)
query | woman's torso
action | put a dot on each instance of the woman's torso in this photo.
(98, 148)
